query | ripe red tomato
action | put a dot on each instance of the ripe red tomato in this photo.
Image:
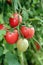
(1, 27)
(13, 22)
(11, 37)
(16, 15)
(27, 32)
(37, 46)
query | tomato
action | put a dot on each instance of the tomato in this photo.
(9, 1)
(27, 32)
(37, 46)
(1, 27)
(20, 18)
(11, 37)
(16, 15)
(22, 45)
(13, 22)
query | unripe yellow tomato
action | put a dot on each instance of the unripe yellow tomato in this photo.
(22, 45)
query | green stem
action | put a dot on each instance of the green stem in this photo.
(22, 59)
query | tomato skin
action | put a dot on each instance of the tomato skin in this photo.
(11, 37)
(22, 45)
(16, 15)
(27, 32)
(13, 22)
(37, 46)
(1, 27)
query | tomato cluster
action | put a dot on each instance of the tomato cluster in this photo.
(12, 37)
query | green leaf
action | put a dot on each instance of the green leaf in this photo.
(36, 1)
(16, 4)
(1, 37)
(25, 15)
(11, 59)
(42, 3)
(2, 33)
(1, 51)
(9, 46)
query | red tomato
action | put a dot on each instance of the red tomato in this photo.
(27, 32)
(9, 1)
(37, 46)
(16, 15)
(11, 37)
(1, 26)
(13, 22)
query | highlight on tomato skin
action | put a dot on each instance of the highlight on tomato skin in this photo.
(22, 45)
(27, 32)
(11, 37)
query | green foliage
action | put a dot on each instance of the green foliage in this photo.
(32, 14)
(1, 51)
(2, 33)
(11, 59)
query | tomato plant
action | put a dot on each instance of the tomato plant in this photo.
(21, 32)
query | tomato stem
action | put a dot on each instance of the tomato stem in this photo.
(22, 58)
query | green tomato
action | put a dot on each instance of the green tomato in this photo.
(22, 45)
